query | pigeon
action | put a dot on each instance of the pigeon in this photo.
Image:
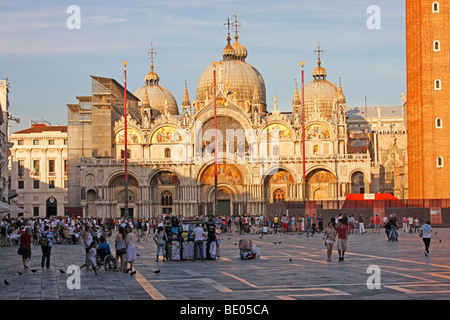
(62, 271)
(157, 271)
(290, 260)
(20, 273)
(137, 254)
(34, 270)
(274, 243)
(6, 282)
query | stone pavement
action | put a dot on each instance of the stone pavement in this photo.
(292, 267)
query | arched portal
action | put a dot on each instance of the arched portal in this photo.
(358, 182)
(117, 186)
(321, 185)
(276, 185)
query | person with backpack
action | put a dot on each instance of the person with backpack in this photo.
(46, 246)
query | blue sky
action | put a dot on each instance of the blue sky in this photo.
(48, 65)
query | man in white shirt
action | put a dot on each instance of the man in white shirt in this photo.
(198, 241)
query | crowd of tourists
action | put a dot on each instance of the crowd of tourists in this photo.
(123, 233)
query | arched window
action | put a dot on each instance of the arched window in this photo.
(437, 45)
(439, 123)
(437, 84)
(167, 153)
(436, 6)
(440, 162)
(166, 198)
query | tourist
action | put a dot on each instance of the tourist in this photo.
(387, 228)
(425, 230)
(377, 222)
(361, 224)
(25, 246)
(121, 249)
(308, 225)
(46, 247)
(404, 224)
(394, 226)
(131, 248)
(198, 242)
(330, 237)
(145, 228)
(91, 253)
(342, 233)
(284, 221)
(416, 224)
(87, 240)
(411, 224)
(351, 224)
(160, 238)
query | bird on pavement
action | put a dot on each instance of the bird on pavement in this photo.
(20, 273)
(62, 271)
(157, 271)
(6, 282)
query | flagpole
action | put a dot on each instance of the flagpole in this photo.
(126, 213)
(216, 200)
(303, 133)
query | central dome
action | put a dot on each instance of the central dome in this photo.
(236, 75)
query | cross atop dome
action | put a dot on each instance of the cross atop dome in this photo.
(151, 52)
(152, 77)
(236, 25)
(318, 51)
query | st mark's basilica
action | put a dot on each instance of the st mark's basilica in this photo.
(260, 159)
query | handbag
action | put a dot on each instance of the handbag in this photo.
(20, 251)
(421, 234)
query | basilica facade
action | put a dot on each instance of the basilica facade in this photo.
(171, 150)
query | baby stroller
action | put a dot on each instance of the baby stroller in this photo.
(245, 249)
(105, 259)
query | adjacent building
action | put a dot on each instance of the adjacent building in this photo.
(428, 82)
(39, 169)
(4, 146)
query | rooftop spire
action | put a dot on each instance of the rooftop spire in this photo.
(186, 101)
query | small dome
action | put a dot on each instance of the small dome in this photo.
(152, 78)
(239, 50)
(319, 72)
(228, 52)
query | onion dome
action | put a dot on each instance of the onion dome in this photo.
(239, 50)
(228, 51)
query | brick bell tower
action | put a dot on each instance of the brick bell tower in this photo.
(428, 98)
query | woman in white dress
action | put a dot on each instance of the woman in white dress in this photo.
(131, 249)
